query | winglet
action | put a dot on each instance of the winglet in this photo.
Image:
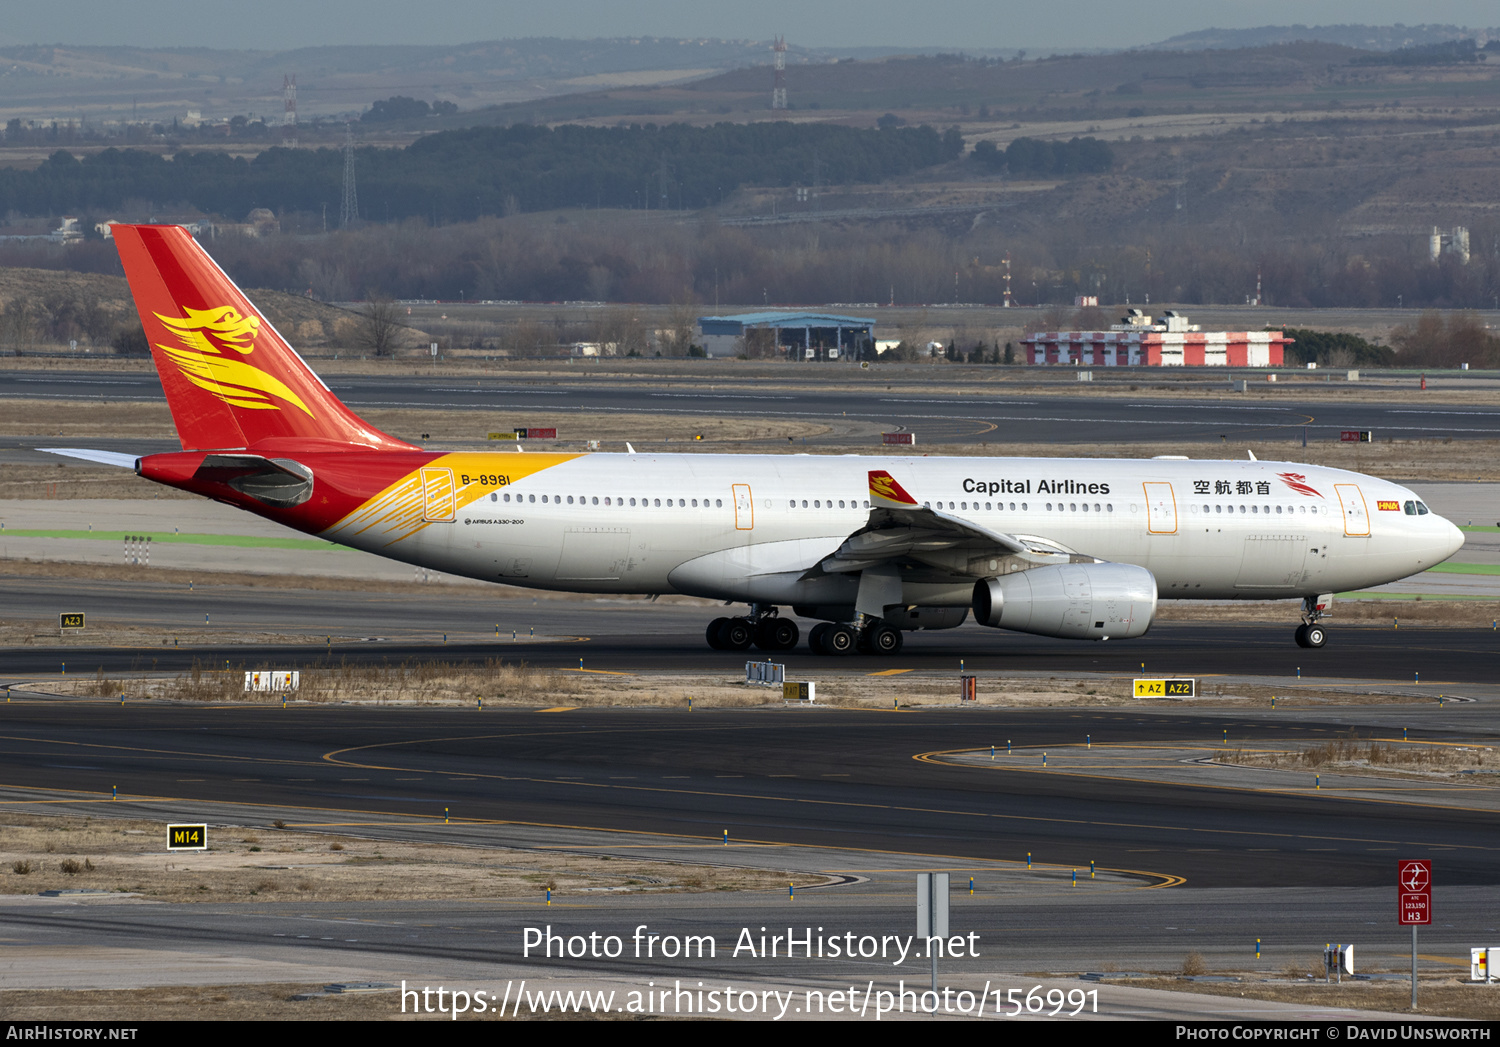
(886, 493)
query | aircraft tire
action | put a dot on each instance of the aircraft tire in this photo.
(776, 634)
(886, 640)
(840, 639)
(712, 634)
(815, 637)
(1316, 637)
(736, 634)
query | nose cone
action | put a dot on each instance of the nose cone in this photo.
(1450, 539)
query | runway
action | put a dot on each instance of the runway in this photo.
(802, 777)
(634, 635)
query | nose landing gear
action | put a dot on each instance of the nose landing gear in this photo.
(1314, 609)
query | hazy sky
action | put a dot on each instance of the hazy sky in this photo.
(279, 24)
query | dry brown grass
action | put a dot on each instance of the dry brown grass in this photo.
(68, 481)
(77, 421)
(1386, 614)
(1437, 996)
(121, 856)
(513, 684)
(1387, 759)
(1413, 461)
(432, 681)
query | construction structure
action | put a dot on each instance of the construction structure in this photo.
(778, 86)
(796, 335)
(289, 113)
(349, 207)
(1455, 243)
(1139, 340)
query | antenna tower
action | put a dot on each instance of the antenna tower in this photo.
(1006, 260)
(349, 213)
(289, 118)
(778, 89)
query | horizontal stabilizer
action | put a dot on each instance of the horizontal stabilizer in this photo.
(115, 458)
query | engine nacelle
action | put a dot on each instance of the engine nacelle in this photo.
(1078, 601)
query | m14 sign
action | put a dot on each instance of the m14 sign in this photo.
(1414, 889)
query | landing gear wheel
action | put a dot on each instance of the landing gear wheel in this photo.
(776, 634)
(712, 633)
(884, 639)
(840, 639)
(815, 638)
(1311, 635)
(736, 634)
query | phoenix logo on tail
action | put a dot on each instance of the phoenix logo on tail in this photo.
(206, 336)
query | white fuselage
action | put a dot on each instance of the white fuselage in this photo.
(754, 527)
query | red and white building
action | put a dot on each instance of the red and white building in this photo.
(1171, 341)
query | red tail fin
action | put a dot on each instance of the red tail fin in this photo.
(231, 380)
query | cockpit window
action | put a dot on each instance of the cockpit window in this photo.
(1422, 510)
(1410, 508)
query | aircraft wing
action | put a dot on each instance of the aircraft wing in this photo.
(900, 528)
(902, 534)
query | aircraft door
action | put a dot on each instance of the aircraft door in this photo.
(439, 496)
(1356, 515)
(1161, 508)
(744, 508)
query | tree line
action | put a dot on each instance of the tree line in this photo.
(460, 175)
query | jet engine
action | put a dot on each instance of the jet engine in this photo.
(1078, 601)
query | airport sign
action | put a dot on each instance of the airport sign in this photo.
(1167, 688)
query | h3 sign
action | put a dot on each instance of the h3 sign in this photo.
(1414, 891)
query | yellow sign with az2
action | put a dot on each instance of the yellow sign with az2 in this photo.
(1179, 688)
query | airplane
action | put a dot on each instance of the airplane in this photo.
(869, 547)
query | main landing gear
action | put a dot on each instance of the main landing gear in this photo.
(1314, 609)
(838, 638)
(761, 628)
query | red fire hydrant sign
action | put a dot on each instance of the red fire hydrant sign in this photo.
(1414, 891)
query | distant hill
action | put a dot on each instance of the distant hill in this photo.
(1364, 37)
(44, 83)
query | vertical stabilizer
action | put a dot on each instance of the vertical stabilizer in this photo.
(231, 380)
